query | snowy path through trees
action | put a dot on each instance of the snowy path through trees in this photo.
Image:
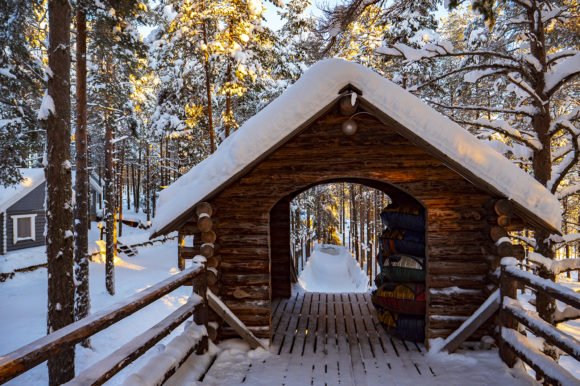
(336, 339)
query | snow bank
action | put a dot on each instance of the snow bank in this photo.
(316, 89)
(23, 258)
(332, 268)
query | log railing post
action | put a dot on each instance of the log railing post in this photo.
(508, 288)
(180, 244)
(200, 315)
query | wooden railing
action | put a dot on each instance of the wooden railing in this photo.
(31, 355)
(513, 344)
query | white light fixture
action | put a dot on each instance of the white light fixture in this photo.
(349, 127)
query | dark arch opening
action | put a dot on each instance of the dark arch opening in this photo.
(400, 306)
(281, 263)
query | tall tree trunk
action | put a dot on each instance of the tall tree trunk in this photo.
(59, 209)
(128, 185)
(138, 185)
(342, 211)
(308, 234)
(542, 160)
(88, 154)
(110, 210)
(134, 187)
(148, 184)
(228, 98)
(120, 186)
(208, 85)
(354, 221)
(82, 210)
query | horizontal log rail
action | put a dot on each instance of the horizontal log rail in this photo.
(104, 370)
(31, 355)
(555, 290)
(541, 328)
(540, 362)
(514, 345)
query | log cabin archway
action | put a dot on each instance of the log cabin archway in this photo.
(280, 250)
(299, 140)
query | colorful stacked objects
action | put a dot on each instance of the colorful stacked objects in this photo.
(400, 295)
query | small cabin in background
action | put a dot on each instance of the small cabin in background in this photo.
(342, 122)
(22, 215)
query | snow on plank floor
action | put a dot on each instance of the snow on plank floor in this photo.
(336, 339)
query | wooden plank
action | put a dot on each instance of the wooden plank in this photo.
(330, 346)
(373, 369)
(289, 329)
(317, 355)
(27, 357)
(103, 370)
(361, 331)
(305, 317)
(305, 366)
(345, 369)
(232, 320)
(467, 328)
(313, 321)
(282, 307)
(353, 343)
(369, 325)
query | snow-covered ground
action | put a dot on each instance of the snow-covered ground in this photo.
(23, 302)
(331, 269)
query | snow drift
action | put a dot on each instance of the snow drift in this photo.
(332, 268)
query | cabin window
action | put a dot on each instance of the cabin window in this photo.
(24, 227)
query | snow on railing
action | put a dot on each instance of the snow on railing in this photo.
(29, 356)
(514, 345)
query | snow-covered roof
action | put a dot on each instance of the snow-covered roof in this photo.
(31, 179)
(93, 182)
(316, 89)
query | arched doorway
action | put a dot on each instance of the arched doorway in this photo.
(282, 257)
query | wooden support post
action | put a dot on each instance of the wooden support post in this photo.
(228, 316)
(200, 316)
(508, 287)
(180, 245)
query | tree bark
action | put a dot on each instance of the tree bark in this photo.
(208, 85)
(542, 160)
(138, 184)
(59, 208)
(148, 184)
(82, 212)
(110, 210)
(120, 196)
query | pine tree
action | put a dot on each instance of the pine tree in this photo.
(533, 66)
(117, 55)
(82, 295)
(21, 69)
(55, 113)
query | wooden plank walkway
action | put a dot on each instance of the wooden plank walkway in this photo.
(334, 339)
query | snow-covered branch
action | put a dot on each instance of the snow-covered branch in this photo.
(526, 88)
(525, 111)
(561, 73)
(568, 191)
(499, 127)
(502, 69)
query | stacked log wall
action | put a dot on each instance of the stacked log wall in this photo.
(457, 230)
